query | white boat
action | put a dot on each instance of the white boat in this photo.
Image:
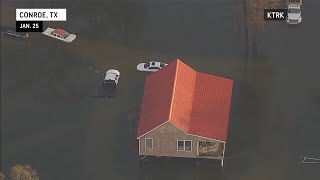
(60, 34)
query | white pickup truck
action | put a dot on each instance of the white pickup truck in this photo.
(110, 82)
(294, 8)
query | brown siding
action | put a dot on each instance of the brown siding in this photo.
(165, 143)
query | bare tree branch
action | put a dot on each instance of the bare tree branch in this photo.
(255, 10)
(23, 172)
(2, 176)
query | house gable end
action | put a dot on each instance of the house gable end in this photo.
(154, 129)
(165, 142)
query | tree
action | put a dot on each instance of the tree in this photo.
(2, 176)
(23, 172)
(255, 11)
(255, 17)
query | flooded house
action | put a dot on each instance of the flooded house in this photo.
(184, 113)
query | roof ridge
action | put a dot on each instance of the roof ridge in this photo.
(193, 99)
(193, 95)
(180, 63)
(173, 89)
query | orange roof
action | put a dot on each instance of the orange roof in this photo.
(197, 103)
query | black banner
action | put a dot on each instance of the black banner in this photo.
(29, 26)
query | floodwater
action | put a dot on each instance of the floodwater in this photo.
(51, 120)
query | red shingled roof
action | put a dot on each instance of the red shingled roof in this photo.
(197, 103)
(61, 32)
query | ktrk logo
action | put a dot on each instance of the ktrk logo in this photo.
(275, 14)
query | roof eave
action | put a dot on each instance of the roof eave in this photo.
(197, 135)
(152, 129)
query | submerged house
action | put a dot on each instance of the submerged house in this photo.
(184, 113)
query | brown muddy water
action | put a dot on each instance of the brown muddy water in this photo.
(50, 120)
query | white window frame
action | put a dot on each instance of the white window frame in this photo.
(184, 145)
(145, 143)
(197, 148)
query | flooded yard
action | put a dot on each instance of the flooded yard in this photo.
(52, 121)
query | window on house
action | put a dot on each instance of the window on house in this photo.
(187, 145)
(184, 145)
(149, 143)
(180, 145)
